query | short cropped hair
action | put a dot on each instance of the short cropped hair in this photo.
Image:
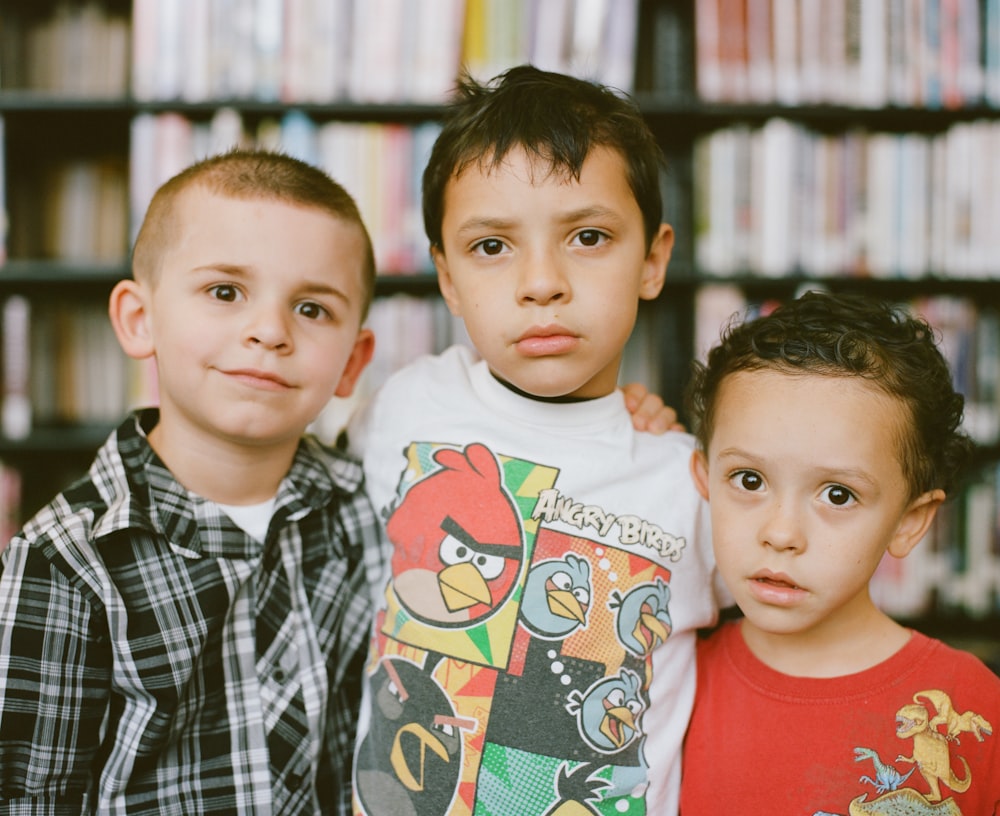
(248, 174)
(841, 335)
(552, 116)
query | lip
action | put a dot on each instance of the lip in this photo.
(775, 588)
(257, 378)
(544, 341)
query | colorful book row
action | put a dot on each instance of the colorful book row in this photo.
(863, 53)
(378, 164)
(781, 199)
(369, 51)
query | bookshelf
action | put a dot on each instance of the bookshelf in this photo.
(172, 86)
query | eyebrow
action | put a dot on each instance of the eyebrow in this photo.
(464, 723)
(397, 681)
(570, 217)
(736, 453)
(455, 530)
(484, 223)
(594, 211)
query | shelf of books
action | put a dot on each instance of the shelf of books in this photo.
(851, 144)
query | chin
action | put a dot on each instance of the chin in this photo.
(531, 387)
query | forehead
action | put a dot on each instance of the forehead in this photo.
(200, 213)
(824, 393)
(198, 205)
(603, 165)
(208, 227)
(522, 180)
(813, 412)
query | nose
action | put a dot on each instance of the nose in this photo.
(542, 279)
(781, 528)
(268, 326)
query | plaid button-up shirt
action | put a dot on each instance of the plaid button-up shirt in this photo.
(156, 659)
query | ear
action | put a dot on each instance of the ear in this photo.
(129, 312)
(445, 283)
(654, 271)
(361, 355)
(699, 473)
(915, 523)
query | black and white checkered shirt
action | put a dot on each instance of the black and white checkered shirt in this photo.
(155, 659)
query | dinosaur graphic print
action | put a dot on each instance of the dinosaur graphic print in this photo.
(929, 766)
(495, 619)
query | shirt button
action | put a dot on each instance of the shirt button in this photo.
(294, 781)
(279, 675)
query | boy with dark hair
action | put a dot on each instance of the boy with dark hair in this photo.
(829, 435)
(182, 630)
(534, 650)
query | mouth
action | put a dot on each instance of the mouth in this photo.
(776, 589)
(772, 579)
(256, 378)
(542, 341)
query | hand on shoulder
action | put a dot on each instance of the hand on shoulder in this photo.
(649, 413)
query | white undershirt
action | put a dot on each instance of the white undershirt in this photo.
(253, 519)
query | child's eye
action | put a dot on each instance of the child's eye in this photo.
(839, 495)
(489, 246)
(226, 292)
(747, 480)
(312, 310)
(591, 237)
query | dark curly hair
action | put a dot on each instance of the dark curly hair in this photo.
(841, 335)
(553, 116)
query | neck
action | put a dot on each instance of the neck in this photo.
(221, 471)
(829, 650)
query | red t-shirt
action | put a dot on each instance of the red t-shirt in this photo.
(877, 742)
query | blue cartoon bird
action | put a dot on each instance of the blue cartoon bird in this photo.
(643, 619)
(608, 712)
(557, 596)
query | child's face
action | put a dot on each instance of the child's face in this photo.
(254, 318)
(547, 272)
(807, 493)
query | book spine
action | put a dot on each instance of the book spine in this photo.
(863, 53)
(3, 194)
(15, 411)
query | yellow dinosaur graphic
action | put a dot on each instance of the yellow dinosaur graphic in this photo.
(967, 723)
(931, 756)
(931, 749)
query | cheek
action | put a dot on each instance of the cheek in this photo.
(481, 323)
(172, 341)
(729, 540)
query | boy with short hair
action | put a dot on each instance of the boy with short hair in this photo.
(829, 435)
(534, 652)
(182, 630)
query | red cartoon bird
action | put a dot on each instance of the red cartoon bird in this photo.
(457, 538)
